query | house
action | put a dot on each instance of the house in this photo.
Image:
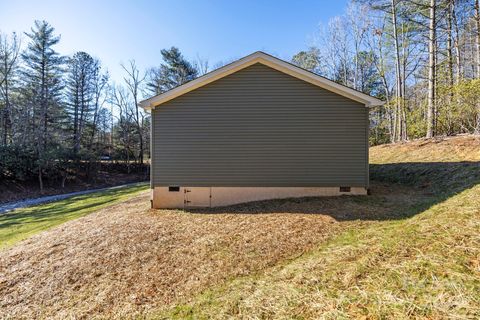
(258, 128)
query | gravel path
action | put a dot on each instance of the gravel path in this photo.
(4, 208)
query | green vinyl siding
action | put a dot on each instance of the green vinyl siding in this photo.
(263, 128)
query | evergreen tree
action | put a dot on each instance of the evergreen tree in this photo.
(368, 79)
(308, 60)
(174, 71)
(43, 78)
(82, 73)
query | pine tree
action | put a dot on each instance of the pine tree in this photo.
(82, 73)
(175, 70)
(43, 77)
(309, 60)
(368, 79)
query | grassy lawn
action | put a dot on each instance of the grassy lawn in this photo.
(424, 266)
(22, 223)
(427, 266)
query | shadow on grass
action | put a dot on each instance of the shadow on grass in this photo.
(398, 191)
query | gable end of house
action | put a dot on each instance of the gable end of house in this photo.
(267, 60)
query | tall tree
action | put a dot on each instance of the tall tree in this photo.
(174, 71)
(367, 78)
(376, 44)
(432, 45)
(43, 76)
(340, 51)
(134, 82)
(309, 60)
(82, 72)
(124, 128)
(398, 135)
(450, 13)
(358, 28)
(477, 35)
(456, 42)
(9, 53)
(100, 86)
(477, 45)
(391, 9)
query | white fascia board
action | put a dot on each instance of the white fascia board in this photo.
(270, 61)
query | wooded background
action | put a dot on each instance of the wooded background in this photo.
(61, 117)
(420, 56)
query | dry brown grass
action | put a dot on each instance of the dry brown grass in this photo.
(126, 260)
(426, 267)
(441, 149)
(333, 257)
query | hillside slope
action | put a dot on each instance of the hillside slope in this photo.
(443, 149)
(411, 249)
(424, 266)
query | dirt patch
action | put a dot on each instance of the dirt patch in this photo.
(127, 259)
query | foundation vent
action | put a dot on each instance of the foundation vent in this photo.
(174, 189)
(344, 189)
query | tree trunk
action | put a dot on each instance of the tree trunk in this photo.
(450, 76)
(95, 119)
(45, 126)
(75, 124)
(64, 178)
(398, 93)
(449, 44)
(6, 112)
(477, 35)
(140, 131)
(40, 178)
(44, 118)
(431, 72)
(477, 45)
(403, 81)
(355, 73)
(458, 60)
(81, 120)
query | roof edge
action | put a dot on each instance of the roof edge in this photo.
(270, 61)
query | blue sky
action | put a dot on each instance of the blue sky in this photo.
(117, 31)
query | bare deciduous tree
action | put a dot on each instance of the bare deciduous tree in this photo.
(9, 54)
(134, 82)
